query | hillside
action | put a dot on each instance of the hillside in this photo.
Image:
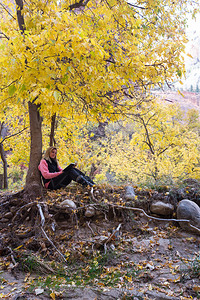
(186, 100)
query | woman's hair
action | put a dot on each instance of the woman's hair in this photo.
(47, 153)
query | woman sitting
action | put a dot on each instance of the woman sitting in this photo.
(54, 177)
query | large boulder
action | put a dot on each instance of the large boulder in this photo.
(189, 210)
(162, 208)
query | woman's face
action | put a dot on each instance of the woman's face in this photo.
(53, 153)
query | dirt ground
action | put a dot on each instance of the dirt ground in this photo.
(144, 259)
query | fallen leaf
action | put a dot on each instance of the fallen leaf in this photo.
(196, 288)
(53, 296)
(39, 291)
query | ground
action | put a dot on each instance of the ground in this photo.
(115, 254)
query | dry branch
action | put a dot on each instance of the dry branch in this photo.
(111, 236)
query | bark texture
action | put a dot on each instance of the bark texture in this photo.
(5, 166)
(33, 182)
(53, 125)
(3, 157)
(20, 17)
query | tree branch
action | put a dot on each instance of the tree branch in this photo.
(133, 5)
(148, 137)
(20, 16)
(8, 85)
(79, 4)
(7, 11)
(4, 36)
(7, 137)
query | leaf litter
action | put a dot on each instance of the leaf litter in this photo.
(114, 254)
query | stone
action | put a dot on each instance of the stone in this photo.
(162, 208)
(188, 210)
(8, 215)
(13, 209)
(4, 220)
(68, 204)
(90, 212)
(129, 193)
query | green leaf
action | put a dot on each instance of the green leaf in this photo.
(11, 90)
(179, 73)
(23, 88)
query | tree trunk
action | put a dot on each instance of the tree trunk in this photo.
(5, 174)
(3, 156)
(33, 185)
(33, 180)
(53, 124)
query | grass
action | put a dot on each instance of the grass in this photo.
(191, 270)
(96, 272)
(195, 266)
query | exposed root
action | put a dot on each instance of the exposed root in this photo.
(46, 228)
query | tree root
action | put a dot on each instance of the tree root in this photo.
(194, 228)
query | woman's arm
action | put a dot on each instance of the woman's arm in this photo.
(43, 167)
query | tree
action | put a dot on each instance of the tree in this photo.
(88, 60)
(161, 146)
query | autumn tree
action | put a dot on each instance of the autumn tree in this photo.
(87, 60)
(159, 147)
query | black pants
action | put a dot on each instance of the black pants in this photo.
(69, 173)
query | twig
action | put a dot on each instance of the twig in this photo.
(13, 258)
(8, 137)
(110, 237)
(7, 11)
(114, 232)
(88, 224)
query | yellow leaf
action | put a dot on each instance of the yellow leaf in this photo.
(196, 288)
(18, 247)
(53, 296)
(150, 287)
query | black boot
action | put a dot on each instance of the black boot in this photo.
(89, 180)
(84, 180)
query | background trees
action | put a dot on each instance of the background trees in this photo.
(161, 146)
(88, 61)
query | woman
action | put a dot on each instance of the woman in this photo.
(54, 177)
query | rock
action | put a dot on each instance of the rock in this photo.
(129, 193)
(4, 220)
(90, 212)
(13, 209)
(162, 208)
(68, 204)
(8, 215)
(188, 210)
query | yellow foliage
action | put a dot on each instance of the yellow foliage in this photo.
(75, 62)
(71, 60)
(158, 146)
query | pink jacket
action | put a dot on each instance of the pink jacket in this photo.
(43, 167)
